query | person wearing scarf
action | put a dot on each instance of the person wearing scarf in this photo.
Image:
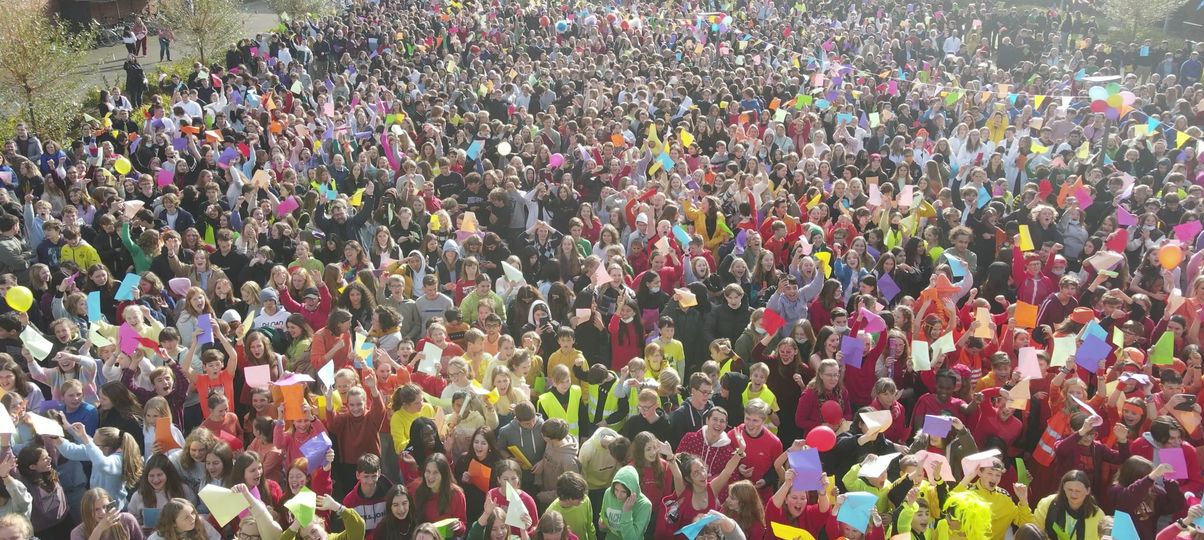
(1071, 513)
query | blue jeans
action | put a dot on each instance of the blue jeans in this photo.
(164, 49)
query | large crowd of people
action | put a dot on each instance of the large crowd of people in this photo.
(720, 270)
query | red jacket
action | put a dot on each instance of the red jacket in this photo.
(358, 435)
(1033, 289)
(807, 415)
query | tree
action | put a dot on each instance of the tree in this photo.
(206, 26)
(1142, 14)
(40, 68)
(287, 9)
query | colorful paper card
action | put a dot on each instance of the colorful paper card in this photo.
(1029, 365)
(856, 509)
(126, 290)
(479, 474)
(294, 401)
(315, 450)
(808, 470)
(1026, 240)
(164, 435)
(303, 506)
(937, 426)
(921, 359)
(1176, 459)
(204, 323)
(1026, 315)
(37, 344)
(852, 350)
(224, 504)
(94, 314)
(258, 376)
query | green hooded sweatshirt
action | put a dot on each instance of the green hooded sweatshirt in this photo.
(622, 525)
(579, 519)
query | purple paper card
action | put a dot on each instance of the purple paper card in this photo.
(889, 288)
(808, 471)
(937, 426)
(853, 349)
(315, 450)
(1091, 352)
(204, 323)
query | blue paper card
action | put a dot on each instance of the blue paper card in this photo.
(690, 531)
(956, 266)
(150, 517)
(856, 509)
(474, 150)
(94, 306)
(1123, 527)
(128, 284)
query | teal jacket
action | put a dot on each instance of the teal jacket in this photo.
(622, 525)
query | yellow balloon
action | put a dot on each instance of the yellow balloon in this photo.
(19, 298)
(1170, 256)
(122, 165)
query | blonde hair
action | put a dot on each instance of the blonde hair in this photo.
(157, 406)
(559, 373)
(131, 460)
(347, 373)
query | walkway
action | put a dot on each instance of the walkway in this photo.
(105, 70)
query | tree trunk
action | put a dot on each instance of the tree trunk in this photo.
(33, 123)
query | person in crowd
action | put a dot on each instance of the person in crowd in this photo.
(500, 270)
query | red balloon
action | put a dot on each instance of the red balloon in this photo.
(821, 438)
(1099, 105)
(544, 21)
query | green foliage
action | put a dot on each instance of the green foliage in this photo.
(1138, 18)
(301, 8)
(40, 68)
(204, 26)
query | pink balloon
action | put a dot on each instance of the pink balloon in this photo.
(556, 160)
(821, 438)
(1127, 97)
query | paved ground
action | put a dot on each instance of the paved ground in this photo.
(105, 64)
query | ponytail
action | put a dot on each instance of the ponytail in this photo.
(131, 459)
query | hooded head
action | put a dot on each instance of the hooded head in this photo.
(629, 478)
(537, 306)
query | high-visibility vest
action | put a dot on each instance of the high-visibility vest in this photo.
(552, 407)
(612, 404)
(746, 396)
(1057, 428)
